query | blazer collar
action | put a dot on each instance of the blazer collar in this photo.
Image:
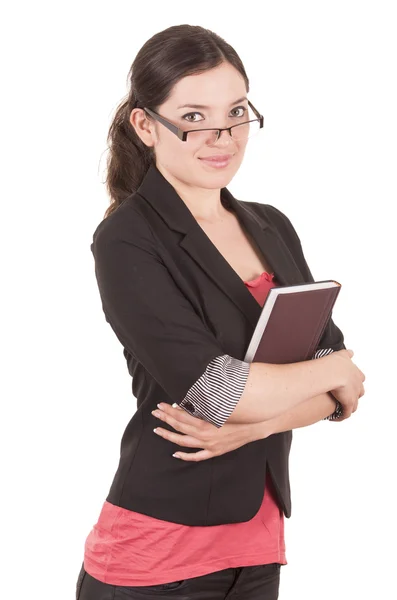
(164, 199)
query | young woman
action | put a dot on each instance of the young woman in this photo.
(183, 269)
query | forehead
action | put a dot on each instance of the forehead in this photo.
(216, 88)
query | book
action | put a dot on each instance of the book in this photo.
(292, 321)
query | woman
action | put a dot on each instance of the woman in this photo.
(183, 269)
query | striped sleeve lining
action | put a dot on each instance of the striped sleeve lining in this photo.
(339, 409)
(214, 396)
(322, 352)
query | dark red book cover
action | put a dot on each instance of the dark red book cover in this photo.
(292, 321)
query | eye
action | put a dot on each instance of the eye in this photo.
(241, 108)
(244, 110)
(190, 114)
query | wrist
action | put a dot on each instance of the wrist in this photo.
(338, 373)
(261, 430)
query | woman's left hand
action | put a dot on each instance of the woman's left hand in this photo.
(198, 433)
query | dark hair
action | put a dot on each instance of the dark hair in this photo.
(162, 61)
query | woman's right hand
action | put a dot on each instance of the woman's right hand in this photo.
(352, 388)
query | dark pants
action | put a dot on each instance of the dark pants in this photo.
(245, 583)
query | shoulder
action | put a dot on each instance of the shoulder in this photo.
(276, 218)
(125, 224)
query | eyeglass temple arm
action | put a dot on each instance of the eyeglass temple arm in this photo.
(166, 123)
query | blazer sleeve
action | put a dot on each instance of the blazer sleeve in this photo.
(157, 324)
(332, 337)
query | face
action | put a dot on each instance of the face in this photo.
(217, 89)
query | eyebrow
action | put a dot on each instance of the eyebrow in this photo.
(203, 106)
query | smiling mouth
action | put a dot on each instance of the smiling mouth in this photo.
(217, 157)
(217, 163)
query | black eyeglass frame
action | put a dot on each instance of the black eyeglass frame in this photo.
(182, 135)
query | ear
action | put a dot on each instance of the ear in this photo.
(144, 127)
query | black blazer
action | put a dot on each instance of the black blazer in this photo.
(175, 303)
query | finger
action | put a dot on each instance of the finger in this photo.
(181, 440)
(191, 425)
(174, 419)
(339, 419)
(347, 413)
(194, 456)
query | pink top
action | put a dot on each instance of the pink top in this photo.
(129, 548)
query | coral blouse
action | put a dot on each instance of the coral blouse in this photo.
(133, 549)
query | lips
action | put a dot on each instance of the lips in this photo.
(214, 163)
(217, 157)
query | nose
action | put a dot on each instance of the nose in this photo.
(224, 141)
(226, 132)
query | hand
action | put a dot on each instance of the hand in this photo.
(201, 434)
(352, 390)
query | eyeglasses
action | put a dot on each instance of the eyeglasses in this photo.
(239, 132)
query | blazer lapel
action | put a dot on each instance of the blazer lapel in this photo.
(164, 199)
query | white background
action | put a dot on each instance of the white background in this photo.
(323, 74)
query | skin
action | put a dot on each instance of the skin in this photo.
(199, 185)
(195, 433)
(195, 182)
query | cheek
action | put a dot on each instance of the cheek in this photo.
(172, 154)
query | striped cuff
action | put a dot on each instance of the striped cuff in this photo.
(215, 394)
(338, 412)
(322, 352)
(339, 409)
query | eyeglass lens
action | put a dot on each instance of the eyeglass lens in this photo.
(239, 132)
(243, 127)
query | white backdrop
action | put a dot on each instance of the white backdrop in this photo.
(323, 74)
